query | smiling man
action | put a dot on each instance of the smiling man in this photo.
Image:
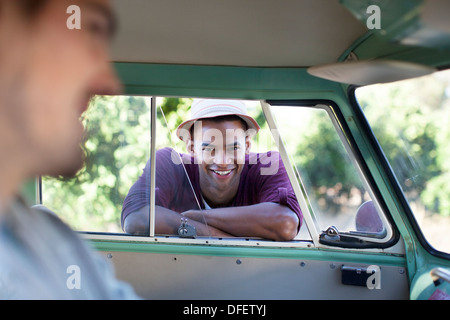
(48, 74)
(221, 187)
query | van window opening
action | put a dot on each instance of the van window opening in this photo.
(126, 134)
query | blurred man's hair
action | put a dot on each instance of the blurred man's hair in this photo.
(30, 7)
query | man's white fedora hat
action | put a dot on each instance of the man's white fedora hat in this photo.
(211, 108)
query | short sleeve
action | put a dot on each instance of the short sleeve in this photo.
(274, 184)
(166, 178)
(139, 194)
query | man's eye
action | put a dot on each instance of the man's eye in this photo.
(98, 27)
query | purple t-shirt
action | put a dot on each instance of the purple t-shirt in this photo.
(263, 179)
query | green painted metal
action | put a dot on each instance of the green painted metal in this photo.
(399, 18)
(29, 191)
(396, 17)
(254, 252)
(421, 284)
(373, 46)
(222, 81)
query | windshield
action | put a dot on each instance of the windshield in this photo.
(411, 120)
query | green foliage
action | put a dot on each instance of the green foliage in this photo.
(117, 148)
(171, 112)
(411, 121)
(321, 156)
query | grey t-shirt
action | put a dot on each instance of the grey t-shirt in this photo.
(42, 258)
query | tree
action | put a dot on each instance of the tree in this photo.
(410, 120)
(116, 149)
(321, 156)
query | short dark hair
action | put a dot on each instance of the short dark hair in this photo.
(221, 119)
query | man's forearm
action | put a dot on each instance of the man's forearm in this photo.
(266, 220)
(166, 222)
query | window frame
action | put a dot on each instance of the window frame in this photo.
(346, 137)
(309, 220)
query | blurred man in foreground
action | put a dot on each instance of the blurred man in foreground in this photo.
(49, 71)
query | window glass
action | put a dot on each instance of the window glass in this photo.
(117, 146)
(336, 192)
(411, 120)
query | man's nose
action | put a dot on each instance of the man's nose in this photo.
(221, 157)
(107, 82)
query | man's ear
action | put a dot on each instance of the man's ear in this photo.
(190, 146)
(248, 144)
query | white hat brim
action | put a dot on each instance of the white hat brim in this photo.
(185, 127)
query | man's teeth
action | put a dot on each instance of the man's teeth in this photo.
(222, 173)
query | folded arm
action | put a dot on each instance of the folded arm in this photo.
(266, 220)
(166, 222)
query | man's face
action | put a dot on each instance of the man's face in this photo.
(219, 148)
(52, 72)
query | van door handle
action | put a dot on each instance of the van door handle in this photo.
(358, 276)
(440, 275)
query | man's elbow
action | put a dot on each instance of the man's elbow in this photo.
(288, 226)
(133, 225)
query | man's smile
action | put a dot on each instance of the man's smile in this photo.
(222, 173)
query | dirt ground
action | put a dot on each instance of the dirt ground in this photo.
(435, 228)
